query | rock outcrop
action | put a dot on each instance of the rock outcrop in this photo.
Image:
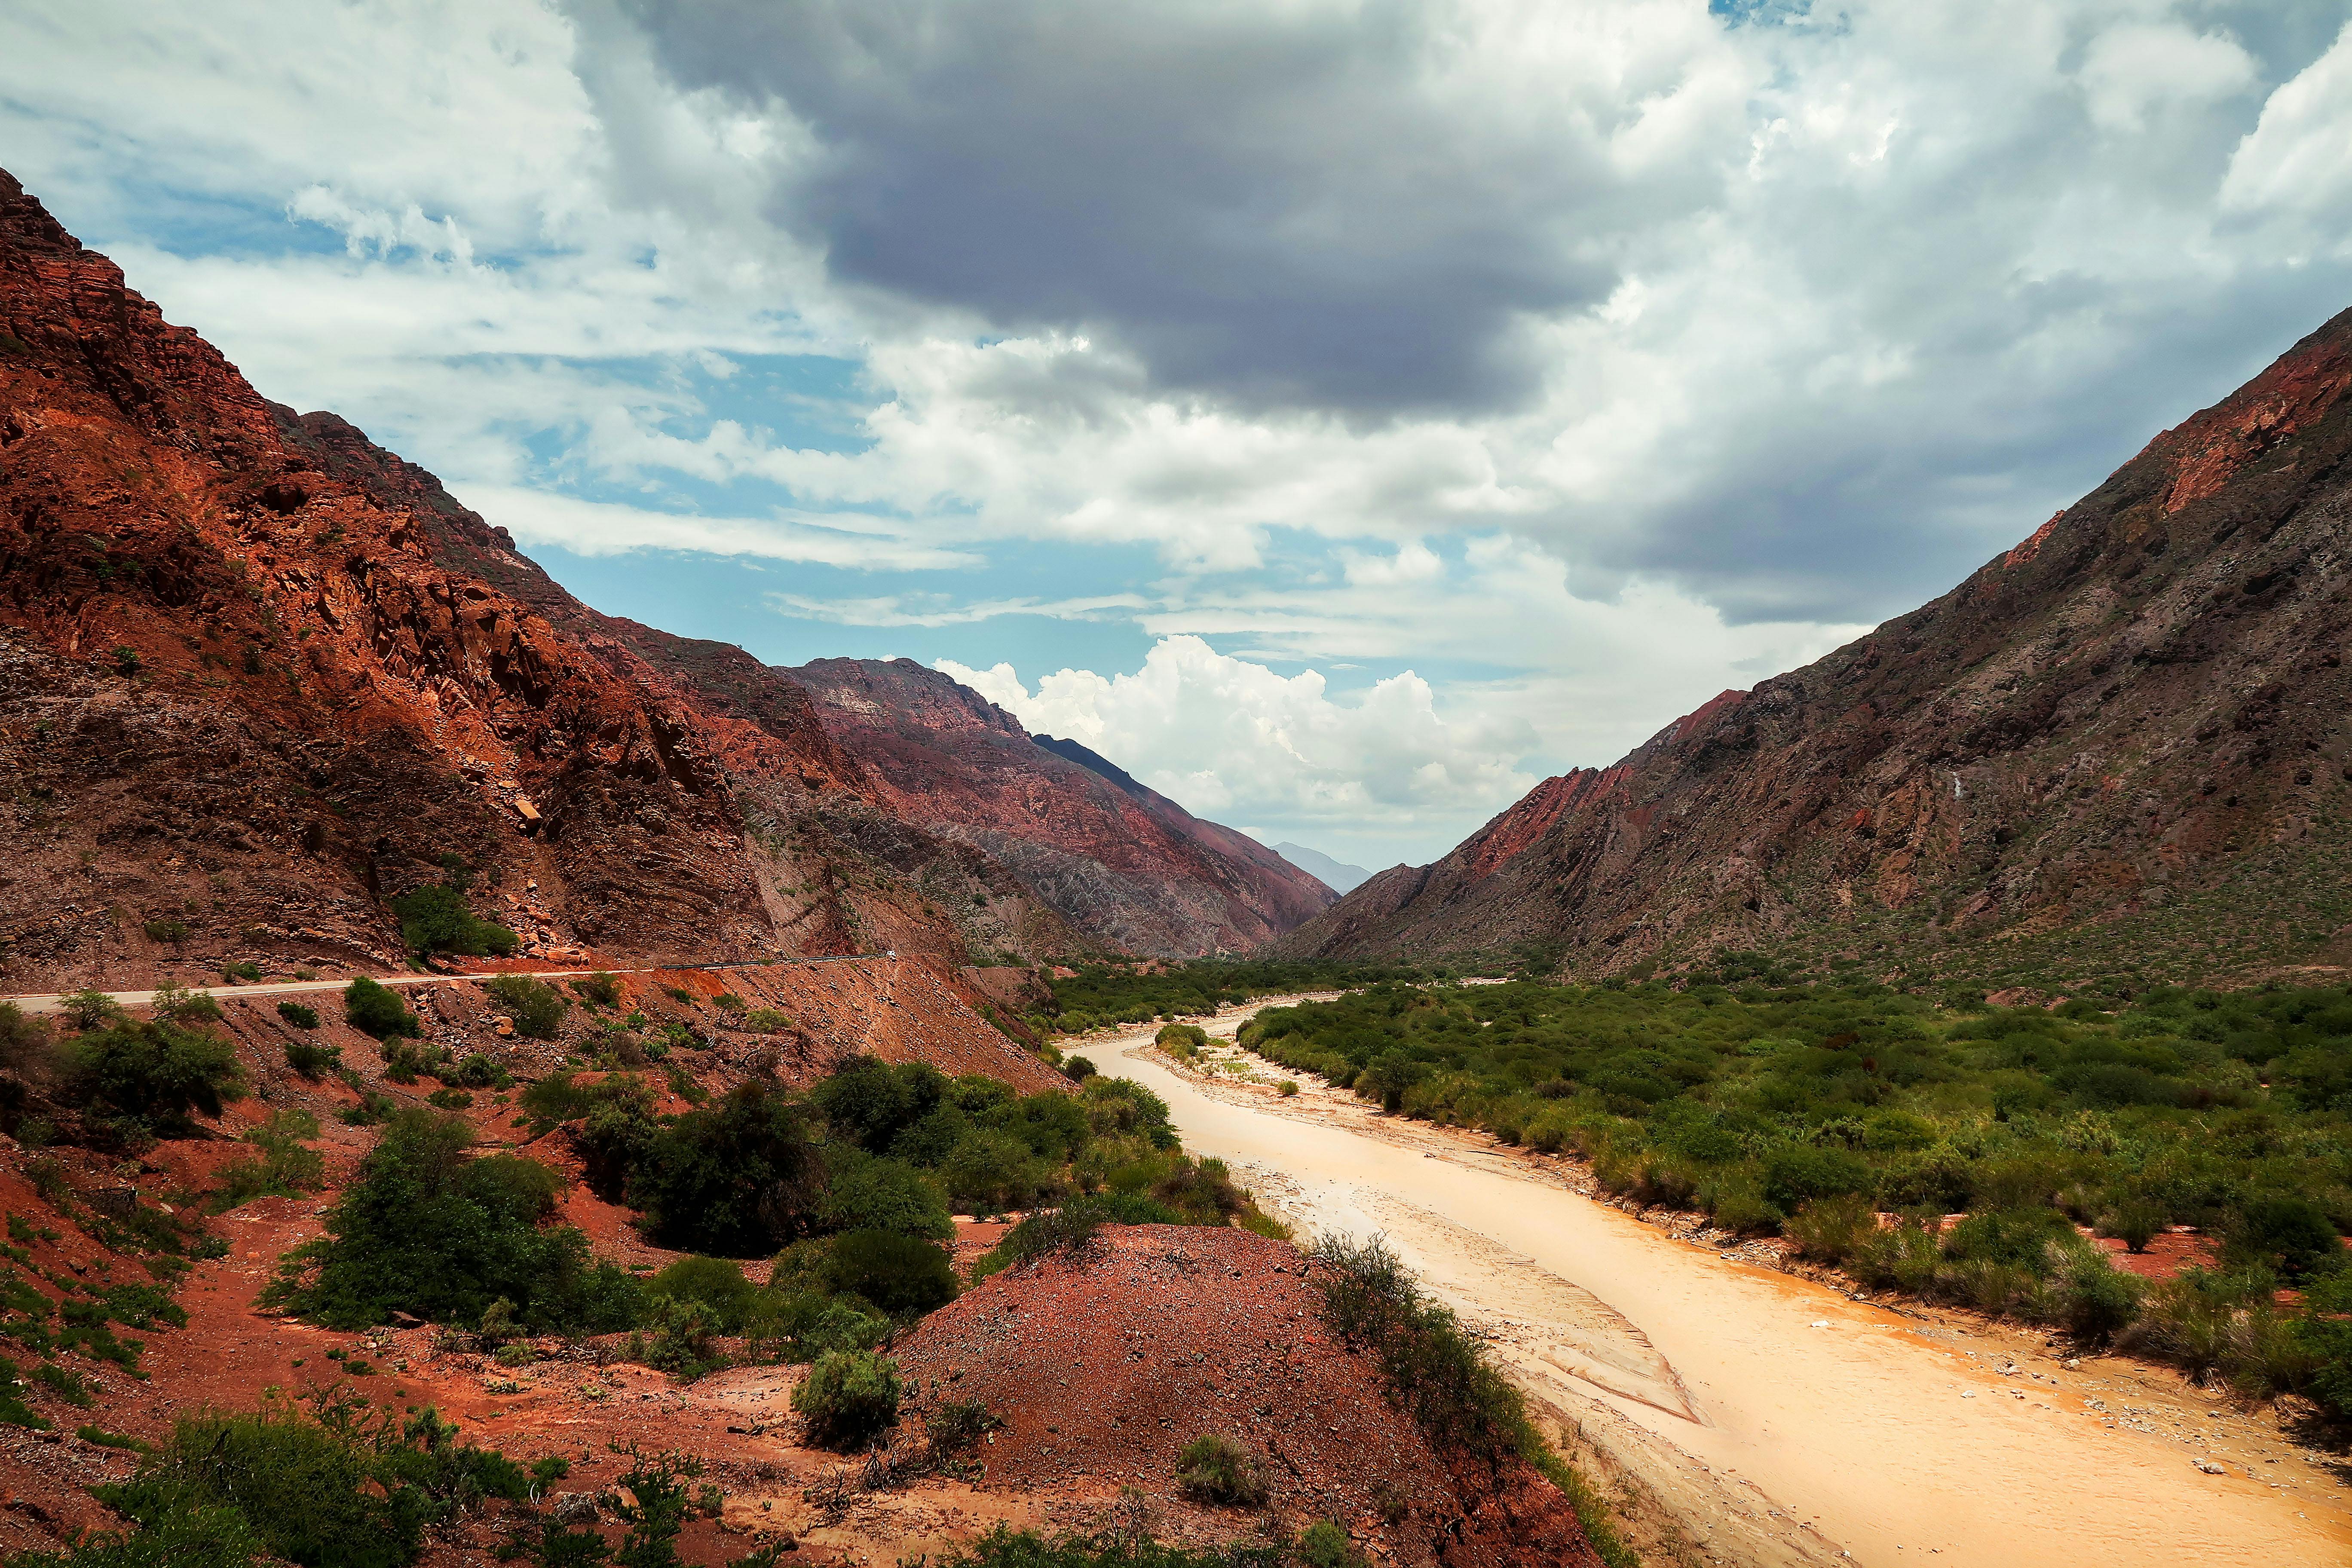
(2118, 748)
(1114, 859)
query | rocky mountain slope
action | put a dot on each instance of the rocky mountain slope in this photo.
(2119, 748)
(1110, 857)
(259, 676)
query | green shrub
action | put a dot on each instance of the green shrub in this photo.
(1829, 1230)
(24, 1041)
(166, 930)
(874, 1104)
(435, 919)
(154, 1073)
(182, 1005)
(375, 1009)
(285, 1167)
(1077, 1069)
(2291, 1236)
(89, 1009)
(1180, 1039)
(728, 1002)
(1216, 1468)
(736, 1179)
(715, 1283)
(682, 1331)
(242, 969)
(449, 1099)
(897, 1273)
(1324, 1544)
(958, 1426)
(2322, 1332)
(301, 1016)
(176, 1536)
(312, 1060)
(1432, 1369)
(355, 1490)
(2012, 1239)
(863, 1192)
(600, 989)
(1796, 1174)
(990, 1172)
(62, 1382)
(536, 1006)
(849, 1398)
(767, 1021)
(430, 1230)
(14, 1411)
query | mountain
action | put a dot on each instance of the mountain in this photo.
(1336, 875)
(259, 676)
(1113, 858)
(2119, 748)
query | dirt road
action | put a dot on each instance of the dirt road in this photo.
(46, 1002)
(1779, 1421)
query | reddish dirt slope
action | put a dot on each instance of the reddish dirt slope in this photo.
(2123, 743)
(1105, 1366)
(1118, 861)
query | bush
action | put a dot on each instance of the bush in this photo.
(430, 1230)
(24, 1041)
(154, 1073)
(1433, 1369)
(1830, 1230)
(1077, 1069)
(600, 989)
(990, 1172)
(301, 1016)
(1324, 1544)
(374, 1009)
(1795, 1173)
(177, 1537)
(2291, 1236)
(89, 1009)
(897, 1273)
(285, 1167)
(449, 1099)
(536, 1007)
(767, 1021)
(737, 1180)
(863, 1192)
(2323, 1332)
(182, 1005)
(166, 930)
(355, 1490)
(848, 1397)
(958, 1426)
(242, 969)
(717, 1284)
(1215, 1468)
(1180, 1039)
(435, 919)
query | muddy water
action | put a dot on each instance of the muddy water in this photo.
(1779, 1421)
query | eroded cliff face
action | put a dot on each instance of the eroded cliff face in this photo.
(2119, 747)
(257, 676)
(1110, 857)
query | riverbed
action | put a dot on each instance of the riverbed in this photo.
(1776, 1419)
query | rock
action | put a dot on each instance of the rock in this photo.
(573, 1507)
(2211, 1469)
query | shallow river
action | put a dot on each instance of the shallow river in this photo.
(1777, 1420)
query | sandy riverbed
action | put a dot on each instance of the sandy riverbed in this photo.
(1779, 1421)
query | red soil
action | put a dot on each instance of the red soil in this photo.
(1105, 1366)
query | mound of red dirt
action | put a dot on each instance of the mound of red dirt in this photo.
(1104, 1364)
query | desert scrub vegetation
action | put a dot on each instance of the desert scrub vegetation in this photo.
(1215, 1468)
(1856, 1118)
(536, 1007)
(1106, 994)
(375, 1009)
(849, 1398)
(431, 1228)
(435, 917)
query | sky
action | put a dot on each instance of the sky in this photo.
(1341, 413)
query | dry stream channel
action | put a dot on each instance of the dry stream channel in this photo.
(1777, 1420)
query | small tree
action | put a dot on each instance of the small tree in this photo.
(1215, 1468)
(599, 989)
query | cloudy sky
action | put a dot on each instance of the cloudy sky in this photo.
(1339, 414)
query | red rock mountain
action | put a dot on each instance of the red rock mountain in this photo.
(2119, 747)
(1112, 858)
(258, 676)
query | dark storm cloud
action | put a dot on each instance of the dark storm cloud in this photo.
(1269, 206)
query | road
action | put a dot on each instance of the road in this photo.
(46, 1002)
(1777, 1420)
